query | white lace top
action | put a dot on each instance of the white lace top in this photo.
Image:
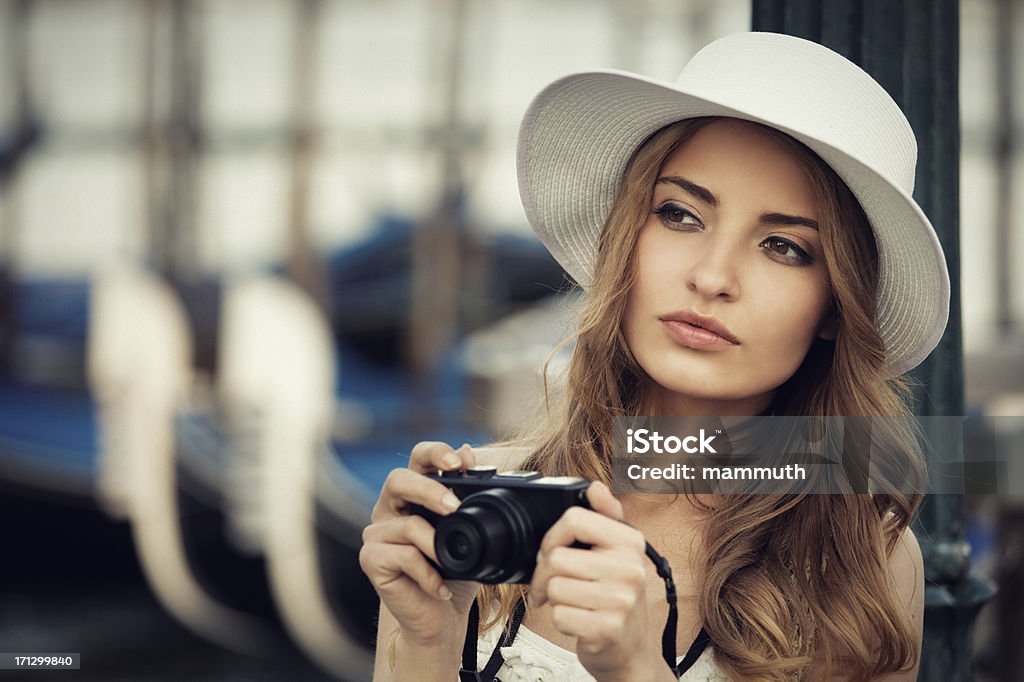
(531, 658)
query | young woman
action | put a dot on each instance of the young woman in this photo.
(748, 246)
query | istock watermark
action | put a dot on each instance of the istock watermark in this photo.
(818, 455)
(642, 441)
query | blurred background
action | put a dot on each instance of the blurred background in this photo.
(251, 251)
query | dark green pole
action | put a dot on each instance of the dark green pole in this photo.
(911, 47)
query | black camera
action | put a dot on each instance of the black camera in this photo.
(495, 534)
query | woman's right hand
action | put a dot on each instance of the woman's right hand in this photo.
(397, 542)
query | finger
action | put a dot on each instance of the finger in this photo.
(387, 567)
(556, 563)
(467, 455)
(604, 502)
(592, 595)
(403, 530)
(581, 564)
(590, 625)
(404, 487)
(583, 525)
(430, 456)
(584, 564)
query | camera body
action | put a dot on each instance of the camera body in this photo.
(495, 534)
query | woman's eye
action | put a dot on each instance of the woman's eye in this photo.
(675, 215)
(785, 251)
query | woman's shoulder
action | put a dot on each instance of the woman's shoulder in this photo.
(907, 566)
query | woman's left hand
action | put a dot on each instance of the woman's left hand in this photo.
(598, 595)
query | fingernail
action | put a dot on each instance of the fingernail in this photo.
(444, 593)
(450, 501)
(451, 460)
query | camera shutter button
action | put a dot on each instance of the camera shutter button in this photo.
(453, 473)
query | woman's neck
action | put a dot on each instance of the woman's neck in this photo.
(652, 504)
(666, 403)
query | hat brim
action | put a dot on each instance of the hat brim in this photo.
(579, 133)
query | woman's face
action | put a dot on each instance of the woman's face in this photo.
(731, 286)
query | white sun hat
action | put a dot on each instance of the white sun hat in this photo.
(580, 131)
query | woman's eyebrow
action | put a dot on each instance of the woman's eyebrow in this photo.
(705, 195)
(783, 219)
(693, 188)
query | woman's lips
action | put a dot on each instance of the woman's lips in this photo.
(697, 338)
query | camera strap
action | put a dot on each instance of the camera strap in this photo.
(468, 672)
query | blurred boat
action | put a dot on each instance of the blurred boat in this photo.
(370, 286)
(314, 474)
(157, 470)
(247, 470)
(48, 433)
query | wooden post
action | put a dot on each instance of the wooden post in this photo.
(304, 268)
(15, 144)
(437, 244)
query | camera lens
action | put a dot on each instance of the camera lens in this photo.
(459, 545)
(486, 539)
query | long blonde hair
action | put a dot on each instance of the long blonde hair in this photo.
(789, 580)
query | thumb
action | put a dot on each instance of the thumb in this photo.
(603, 502)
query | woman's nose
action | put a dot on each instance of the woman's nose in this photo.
(714, 269)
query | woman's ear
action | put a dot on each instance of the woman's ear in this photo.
(829, 326)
